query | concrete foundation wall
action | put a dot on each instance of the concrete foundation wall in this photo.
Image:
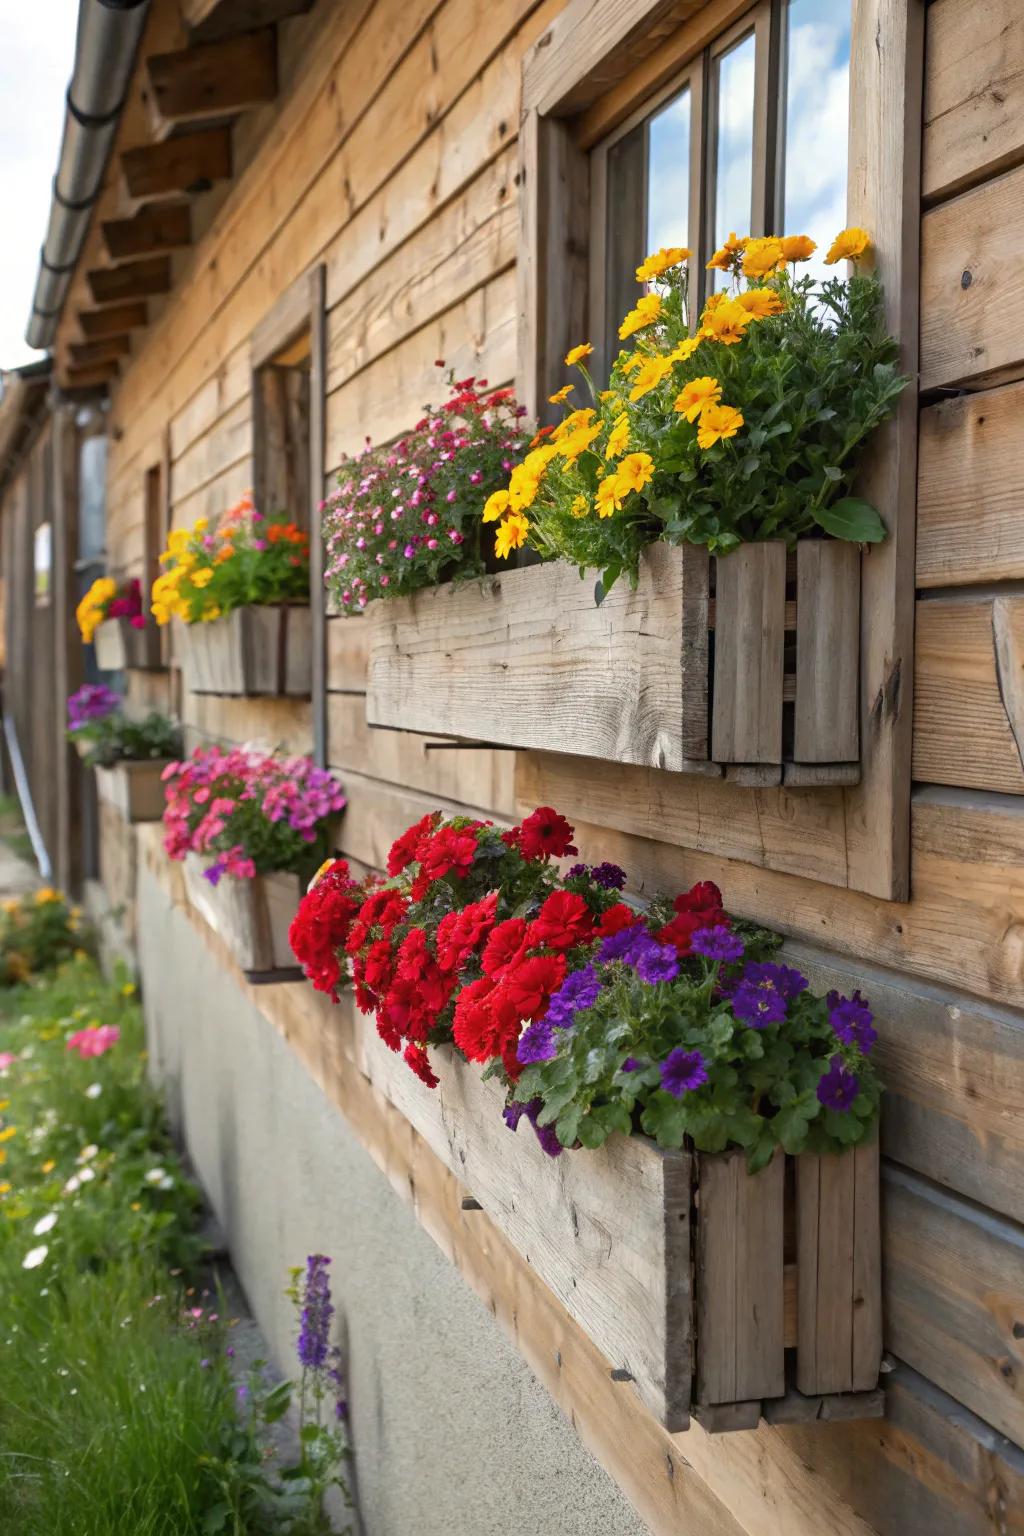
(453, 1435)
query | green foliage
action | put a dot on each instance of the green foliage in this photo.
(37, 931)
(117, 739)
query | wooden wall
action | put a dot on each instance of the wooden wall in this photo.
(392, 159)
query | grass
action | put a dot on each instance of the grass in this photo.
(117, 1409)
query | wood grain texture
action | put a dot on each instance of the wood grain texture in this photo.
(131, 280)
(839, 1308)
(969, 693)
(155, 228)
(973, 94)
(251, 916)
(591, 46)
(347, 642)
(970, 505)
(220, 18)
(826, 725)
(527, 659)
(111, 321)
(746, 707)
(211, 80)
(134, 789)
(189, 162)
(108, 349)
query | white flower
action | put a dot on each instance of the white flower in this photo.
(94, 1090)
(86, 1175)
(73, 1185)
(45, 1224)
(166, 1182)
(87, 1153)
(155, 1176)
(35, 1257)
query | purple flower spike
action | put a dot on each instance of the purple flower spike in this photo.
(537, 1043)
(851, 1019)
(658, 963)
(682, 1072)
(718, 944)
(317, 1311)
(838, 1088)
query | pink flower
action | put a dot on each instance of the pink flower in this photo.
(7, 1059)
(95, 1041)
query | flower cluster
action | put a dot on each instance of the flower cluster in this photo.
(250, 813)
(406, 516)
(242, 558)
(37, 931)
(744, 425)
(599, 1017)
(105, 735)
(110, 599)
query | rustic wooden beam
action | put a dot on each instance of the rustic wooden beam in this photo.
(209, 19)
(156, 227)
(112, 321)
(86, 354)
(213, 79)
(91, 378)
(192, 162)
(133, 280)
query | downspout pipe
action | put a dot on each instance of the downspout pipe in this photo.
(109, 32)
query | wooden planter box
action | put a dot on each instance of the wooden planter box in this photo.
(746, 664)
(673, 1263)
(251, 651)
(251, 916)
(119, 646)
(134, 788)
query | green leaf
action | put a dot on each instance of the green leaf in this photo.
(590, 1132)
(851, 519)
(567, 1125)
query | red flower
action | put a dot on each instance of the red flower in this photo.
(417, 1058)
(378, 969)
(545, 834)
(704, 898)
(382, 909)
(680, 931)
(700, 907)
(404, 1011)
(525, 991)
(404, 850)
(459, 933)
(563, 921)
(414, 959)
(321, 926)
(506, 946)
(475, 1029)
(450, 850)
(615, 919)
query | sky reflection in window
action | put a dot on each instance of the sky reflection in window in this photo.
(668, 174)
(817, 125)
(734, 150)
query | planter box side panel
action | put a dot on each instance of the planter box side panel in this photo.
(608, 1231)
(262, 643)
(298, 653)
(135, 789)
(109, 646)
(529, 660)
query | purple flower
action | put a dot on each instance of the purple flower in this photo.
(682, 1072)
(512, 1114)
(578, 992)
(577, 872)
(659, 963)
(317, 1312)
(758, 1005)
(609, 875)
(546, 1134)
(631, 1064)
(718, 944)
(93, 701)
(537, 1043)
(213, 874)
(783, 978)
(850, 1018)
(838, 1087)
(620, 946)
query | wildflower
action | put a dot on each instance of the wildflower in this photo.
(725, 323)
(511, 534)
(7, 1059)
(761, 256)
(618, 437)
(45, 1224)
(848, 245)
(635, 471)
(686, 348)
(761, 302)
(649, 375)
(659, 963)
(561, 395)
(661, 261)
(838, 1086)
(495, 506)
(577, 354)
(718, 422)
(610, 496)
(718, 943)
(682, 1072)
(578, 442)
(798, 247)
(728, 254)
(48, 1166)
(645, 313)
(317, 1311)
(695, 396)
(35, 1257)
(537, 1043)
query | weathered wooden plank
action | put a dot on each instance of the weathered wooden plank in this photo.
(91, 377)
(156, 227)
(826, 725)
(227, 443)
(954, 1296)
(214, 79)
(283, 723)
(839, 1314)
(347, 643)
(85, 353)
(207, 19)
(281, 471)
(969, 692)
(972, 325)
(131, 280)
(970, 506)
(522, 660)
(973, 94)
(228, 385)
(378, 813)
(746, 707)
(110, 322)
(695, 654)
(134, 789)
(118, 865)
(591, 46)
(483, 776)
(189, 162)
(739, 1269)
(251, 916)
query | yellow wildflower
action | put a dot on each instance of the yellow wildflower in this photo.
(578, 442)
(48, 1166)
(570, 423)
(798, 247)
(661, 261)
(204, 577)
(511, 534)
(5, 1188)
(580, 506)
(606, 395)
(618, 437)
(495, 506)
(696, 396)
(7, 1132)
(200, 525)
(128, 990)
(4, 1104)
(726, 323)
(848, 245)
(211, 613)
(3, 1156)
(12, 904)
(136, 1205)
(644, 314)
(649, 375)
(762, 256)
(717, 422)
(577, 354)
(635, 471)
(560, 396)
(610, 496)
(522, 488)
(728, 254)
(686, 348)
(761, 302)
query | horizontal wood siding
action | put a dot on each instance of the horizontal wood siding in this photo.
(970, 500)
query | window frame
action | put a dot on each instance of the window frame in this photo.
(595, 65)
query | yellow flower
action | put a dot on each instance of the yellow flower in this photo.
(560, 396)
(761, 302)
(48, 1166)
(618, 437)
(4, 1104)
(798, 247)
(646, 313)
(495, 506)
(610, 496)
(580, 506)
(848, 245)
(12, 904)
(635, 471)
(570, 423)
(7, 1132)
(211, 613)
(728, 254)
(200, 525)
(538, 460)
(5, 1188)
(762, 256)
(46, 895)
(632, 361)
(136, 1205)
(686, 348)
(661, 261)
(718, 421)
(202, 578)
(177, 541)
(578, 442)
(511, 534)
(697, 396)
(577, 354)
(726, 323)
(606, 395)
(649, 375)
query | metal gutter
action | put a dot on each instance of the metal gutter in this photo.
(109, 32)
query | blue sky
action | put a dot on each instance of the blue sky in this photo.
(36, 57)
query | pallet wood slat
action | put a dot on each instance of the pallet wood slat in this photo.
(973, 95)
(746, 719)
(120, 646)
(134, 788)
(827, 652)
(251, 651)
(251, 916)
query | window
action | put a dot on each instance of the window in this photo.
(751, 137)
